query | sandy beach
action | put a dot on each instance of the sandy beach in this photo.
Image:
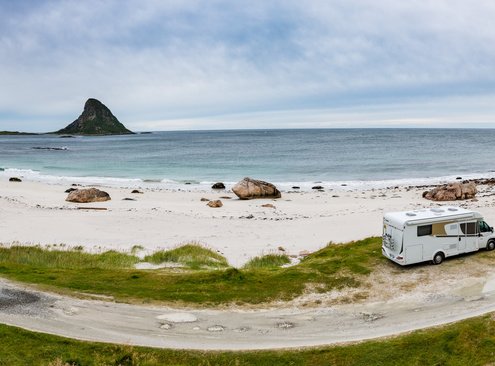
(35, 213)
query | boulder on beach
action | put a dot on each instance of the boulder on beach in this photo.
(218, 185)
(251, 188)
(136, 191)
(215, 204)
(452, 192)
(15, 179)
(88, 195)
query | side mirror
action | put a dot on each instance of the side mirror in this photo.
(491, 229)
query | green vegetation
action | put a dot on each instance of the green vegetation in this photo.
(268, 261)
(76, 259)
(469, 342)
(193, 256)
(113, 274)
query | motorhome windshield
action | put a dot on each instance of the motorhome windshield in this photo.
(484, 227)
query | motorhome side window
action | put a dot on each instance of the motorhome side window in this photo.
(468, 228)
(424, 230)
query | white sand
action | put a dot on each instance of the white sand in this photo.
(37, 213)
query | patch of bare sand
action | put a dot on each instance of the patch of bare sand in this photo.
(462, 276)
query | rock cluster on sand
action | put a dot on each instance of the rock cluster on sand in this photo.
(15, 179)
(452, 192)
(88, 195)
(251, 188)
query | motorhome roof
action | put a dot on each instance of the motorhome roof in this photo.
(429, 214)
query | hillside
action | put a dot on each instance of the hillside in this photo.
(96, 119)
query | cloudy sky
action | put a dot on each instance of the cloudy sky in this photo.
(175, 65)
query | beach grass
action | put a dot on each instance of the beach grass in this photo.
(469, 342)
(268, 261)
(113, 274)
(75, 258)
(193, 256)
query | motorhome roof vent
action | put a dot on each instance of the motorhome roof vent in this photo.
(452, 209)
(437, 210)
(410, 214)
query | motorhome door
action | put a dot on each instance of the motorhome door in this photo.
(468, 236)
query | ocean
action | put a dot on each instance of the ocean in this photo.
(350, 158)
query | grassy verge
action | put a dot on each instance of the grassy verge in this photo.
(112, 274)
(470, 342)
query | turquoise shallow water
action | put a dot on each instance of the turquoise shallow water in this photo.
(303, 157)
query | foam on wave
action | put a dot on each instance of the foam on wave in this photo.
(36, 176)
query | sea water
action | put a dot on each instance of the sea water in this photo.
(306, 157)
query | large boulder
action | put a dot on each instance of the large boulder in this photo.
(88, 195)
(251, 188)
(452, 192)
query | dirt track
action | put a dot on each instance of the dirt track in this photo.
(236, 329)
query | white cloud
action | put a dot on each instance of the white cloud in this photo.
(179, 61)
(451, 112)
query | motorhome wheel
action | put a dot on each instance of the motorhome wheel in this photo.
(438, 258)
(490, 245)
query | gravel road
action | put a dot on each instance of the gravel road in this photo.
(96, 320)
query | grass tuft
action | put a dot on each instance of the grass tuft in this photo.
(268, 261)
(193, 256)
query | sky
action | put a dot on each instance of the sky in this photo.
(182, 65)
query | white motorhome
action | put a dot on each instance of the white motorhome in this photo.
(434, 234)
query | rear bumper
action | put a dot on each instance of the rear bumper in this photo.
(397, 259)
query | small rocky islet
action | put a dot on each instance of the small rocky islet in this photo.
(96, 119)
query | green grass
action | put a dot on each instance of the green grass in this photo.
(193, 256)
(469, 342)
(112, 274)
(268, 261)
(38, 257)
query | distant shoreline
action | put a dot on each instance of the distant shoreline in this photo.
(15, 133)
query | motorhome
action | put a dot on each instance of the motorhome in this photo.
(433, 234)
